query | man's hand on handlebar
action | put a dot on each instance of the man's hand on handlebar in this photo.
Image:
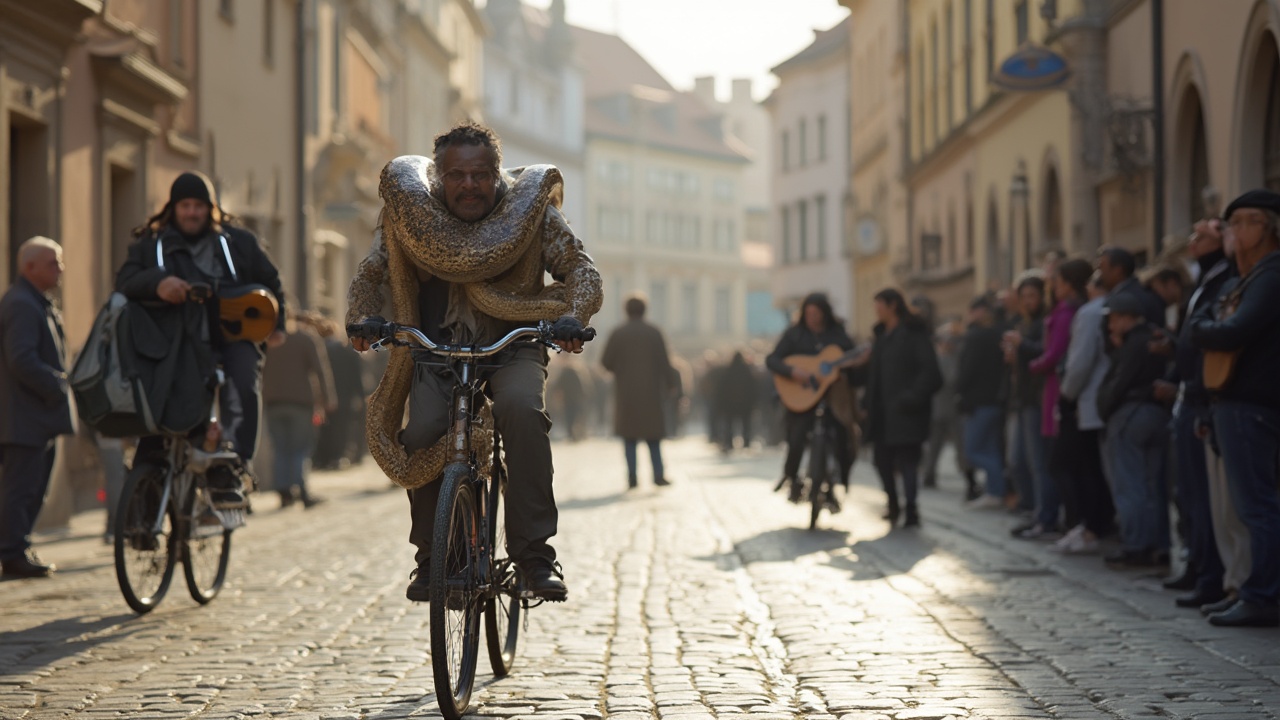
(366, 332)
(568, 333)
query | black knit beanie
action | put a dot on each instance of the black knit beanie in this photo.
(191, 185)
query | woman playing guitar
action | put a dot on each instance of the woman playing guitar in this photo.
(799, 374)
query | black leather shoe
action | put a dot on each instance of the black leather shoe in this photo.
(1185, 581)
(892, 513)
(26, 566)
(543, 580)
(1200, 598)
(661, 482)
(1247, 614)
(419, 589)
(1131, 559)
(912, 518)
(795, 492)
(1221, 606)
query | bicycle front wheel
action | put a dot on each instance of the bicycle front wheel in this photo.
(502, 611)
(145, 542)
(208, 546)
(818, 480)
(455, 592)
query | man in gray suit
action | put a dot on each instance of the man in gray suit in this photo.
(34, 408)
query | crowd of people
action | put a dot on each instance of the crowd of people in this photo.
(1093, 398)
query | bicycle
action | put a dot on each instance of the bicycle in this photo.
(165, 514)
(824, 463)
(470, 572)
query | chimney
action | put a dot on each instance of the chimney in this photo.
(705, 88)
(742, 90)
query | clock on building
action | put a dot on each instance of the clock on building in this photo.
(870, 240)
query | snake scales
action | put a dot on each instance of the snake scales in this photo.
(500, 262)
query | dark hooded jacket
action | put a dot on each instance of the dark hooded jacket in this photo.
(901, 379)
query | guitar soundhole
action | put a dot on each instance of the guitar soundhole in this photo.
(252, 313)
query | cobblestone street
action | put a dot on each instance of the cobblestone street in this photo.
(706, 600)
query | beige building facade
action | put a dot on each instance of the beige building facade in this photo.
(665, 208)
(876, 214)
(810, 171)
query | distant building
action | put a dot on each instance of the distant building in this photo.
(665, 214)
(748, 122)
(811, 172)
(533, 93)
(879, 199)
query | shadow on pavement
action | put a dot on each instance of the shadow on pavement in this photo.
(788, 544)
(590, 503)
(895, 553)
(42, 645)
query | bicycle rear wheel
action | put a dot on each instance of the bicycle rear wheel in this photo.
(455, 592)
(502, 611)
(208, 545)
(145, 543)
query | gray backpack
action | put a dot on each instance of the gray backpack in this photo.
(110, 399)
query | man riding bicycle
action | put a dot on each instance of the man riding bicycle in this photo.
(464, 262)
(191, 241)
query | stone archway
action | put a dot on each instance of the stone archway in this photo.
(1258, 104)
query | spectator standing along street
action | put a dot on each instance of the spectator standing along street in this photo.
(1246, 415)
(636, 354)
(34, 407)
(980, 383)
(1137, 434)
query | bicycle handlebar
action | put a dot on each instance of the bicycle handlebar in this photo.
(394, 334)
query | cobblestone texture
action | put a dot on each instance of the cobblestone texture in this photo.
(705, 600)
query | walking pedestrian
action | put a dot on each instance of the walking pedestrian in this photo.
(334, 444)
(902, 378)
(297, 390)
(34, 406)
(946, 425)
(636, 354)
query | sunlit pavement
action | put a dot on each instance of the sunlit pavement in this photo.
(707, 599)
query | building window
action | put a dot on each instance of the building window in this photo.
(658, 302)
(722, 188)
(968, 57)
(935, 89)
(1023, 22)
(822, 138)
(177, 20)
(689, 307)
(269, 32)
(786, 236)
(949, 66)
(802, 212)
(820, 220)
(802, 139)
(786, 151)
(724, 311)
(227, 9)
(930, 251)
(990, 39)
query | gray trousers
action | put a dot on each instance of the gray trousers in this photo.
(1228, 530)
(518, 388)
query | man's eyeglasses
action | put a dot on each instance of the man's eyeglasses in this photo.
(479, 177)
(1239, 221)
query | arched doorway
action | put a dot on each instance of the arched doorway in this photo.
(1052, 211)
(1271, 131)
(1258, 105)
(995, 254)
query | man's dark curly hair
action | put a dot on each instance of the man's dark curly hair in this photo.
(469, 133)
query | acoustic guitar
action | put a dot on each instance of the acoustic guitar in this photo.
(248, 313)
(825, 368)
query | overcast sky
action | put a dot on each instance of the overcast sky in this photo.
(684, 39)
